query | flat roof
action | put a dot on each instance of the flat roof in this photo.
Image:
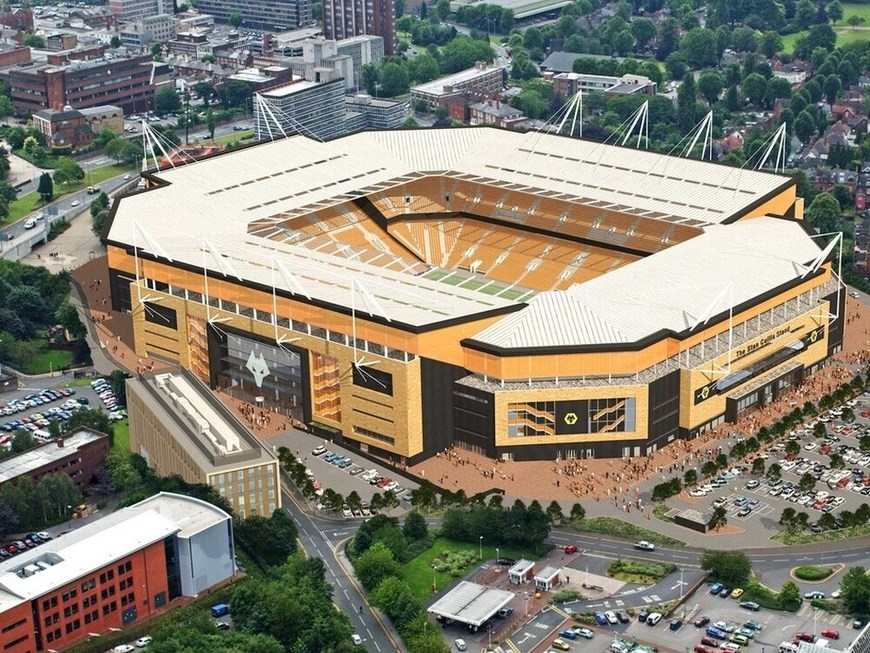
(470, 603)
(290, 88)
(222, 212)
(26, 462)
(521, 566)
(101, 543)
(436, 86)
(200, 424)
(668, 290)
(547, 573)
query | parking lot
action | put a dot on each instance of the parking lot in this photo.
(750, 500)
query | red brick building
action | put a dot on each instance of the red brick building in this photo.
(113, 572)
(78, 454)
(83, 84)
(343, 19)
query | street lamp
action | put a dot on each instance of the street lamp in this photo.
(480, 548)
(527, 602)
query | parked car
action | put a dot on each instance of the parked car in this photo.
(750, 605)
(737, 593)
(585, 633)
(600, 619)
(319, 450)
(716, 588)
(700, 622)
(143, 641)
(830, 633)
(804, 636)
(561, 645)
(675, 624)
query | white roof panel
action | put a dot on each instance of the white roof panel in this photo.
(221, 197)
(470, 603)
(670, 290)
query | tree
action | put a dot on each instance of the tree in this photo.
(375, 565)
(554, 512)
(710, 85)
(824, 212)
(36, 41)
(789, 595)
(690, 478)
(855, 591)
(807, 482)
(731, 567)
(115, 41)
(45, 187)
(68, 316)
(6, 108)
(774, 471)
(832, 88)
(835, 10)
(442, 9)
(754, 86)
(787, 517)
(166, 100)
(235, 19)
(718, 519)
(394, 79)
(686, 97)
(758, 466)
(699, 47)
(157, 51)
(770, 44)
(415, 527)
(67, 171)
(8, 519)
(578, 513)
(792, 448)
(643, 31)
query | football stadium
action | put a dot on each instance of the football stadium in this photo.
(524, 296)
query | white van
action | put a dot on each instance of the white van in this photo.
(822, 642)
(653, 619)
(787, 647)
(42, 435)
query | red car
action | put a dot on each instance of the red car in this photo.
(700, 622)
(831, 634)
(804, 636)
(706, 641)
(384, 482)
(702, 649)
(570, 548)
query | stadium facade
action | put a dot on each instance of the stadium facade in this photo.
(522, 295)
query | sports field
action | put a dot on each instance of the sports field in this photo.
(845, 33)
(470, 281)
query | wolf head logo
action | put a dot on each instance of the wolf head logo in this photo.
(256, 365)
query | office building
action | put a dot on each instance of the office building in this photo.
(113, 572)
(120, 81)
(377, 114)
(313, 108)
(131, 11)
(344, 19)
(153, 29)
(568, 84)
(277, 15)
(78, 454)
(528, 296)
(481, 80)
(178, 426)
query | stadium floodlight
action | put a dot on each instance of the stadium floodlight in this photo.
(778, 140)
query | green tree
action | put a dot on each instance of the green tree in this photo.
(731, 567)
(415, 527)
(442, 9)
(855, 591)
(36, 41)
(22, 441)
(710, 85)
(787, 518)
(394, 79)
(554, 512)
(166, 100)
(807, 482)
(770, 44)
(754, 87)
(157, 51)
(690, 478)
(45, 187)
(643, 31)
(66, 315)
(270, 540)
(398, 602)
(792, 448)
(774, 471)
(832, 88)
(686, 97)
(375, 565)
(235, 19)
(837, 461)
(835, 10)
(718, 519)
(758, 466)
(6, 108)
(790, 596)
(210, 123)
(115, 41)
(824, 212)
(578, 513)
(369, 78)
(67, 171)
(699, 47)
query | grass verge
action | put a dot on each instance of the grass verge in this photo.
(660, 511)
(639, 571)
(619, 528)
(420, 576)
(813, 572)
(122, 436)
(31, 202)
(793, 539)
(48, 360)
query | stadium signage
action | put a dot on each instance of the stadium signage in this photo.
(761, 342)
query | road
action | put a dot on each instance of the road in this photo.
(324, 538)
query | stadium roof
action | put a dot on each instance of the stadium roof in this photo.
(670, 290)
(205, 213)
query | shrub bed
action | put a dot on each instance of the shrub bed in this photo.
(813, 572)
(613, 526)
(639, 571)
